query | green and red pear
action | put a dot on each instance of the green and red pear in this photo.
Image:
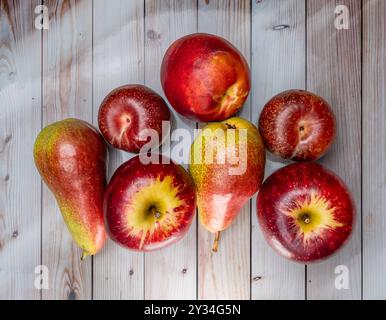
(227, 165)
(70, 156)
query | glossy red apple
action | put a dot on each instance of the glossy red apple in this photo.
(148, 207)
(128, 112)
(297, 125)
(204, 77)
(305, 211)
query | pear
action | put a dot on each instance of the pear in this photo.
(227, 162)
(71, 156)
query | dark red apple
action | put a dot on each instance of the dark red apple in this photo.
(204, 77)
(128, 112)
(305, 211)
(148, 207)
(297, 125)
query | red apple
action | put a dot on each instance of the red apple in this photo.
(305, 211)
(204, 77)
(297, 125)
(148, 207)
(128, 112)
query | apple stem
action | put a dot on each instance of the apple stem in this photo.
(155, 212)
(306, 219)
(216, 240)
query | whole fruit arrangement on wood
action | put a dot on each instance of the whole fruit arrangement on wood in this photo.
(305, 211)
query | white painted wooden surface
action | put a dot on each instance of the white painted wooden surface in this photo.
(118, 59)
(226, 273)
(170, 273)
(67, 92)
(374, 149)
(278, 64)
(94, 46)
(20, 122)
(334, 72)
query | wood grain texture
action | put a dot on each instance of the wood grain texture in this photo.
(278, 64)
(334, 72)
(118, 59)
(374, 149)
(170, 273)
(67, 92)
(20, 113)
(226, 274)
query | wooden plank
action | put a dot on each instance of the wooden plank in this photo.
(118, 55)
(171, 272)
(374, 149)
(67, 91)
(226, 274)
(278, 64)
(20, 114)
(334, 72)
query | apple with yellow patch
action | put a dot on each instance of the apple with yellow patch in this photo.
(305, 211)
(149, 206)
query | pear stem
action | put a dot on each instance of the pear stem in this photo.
(216, 240)
(84, 255)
